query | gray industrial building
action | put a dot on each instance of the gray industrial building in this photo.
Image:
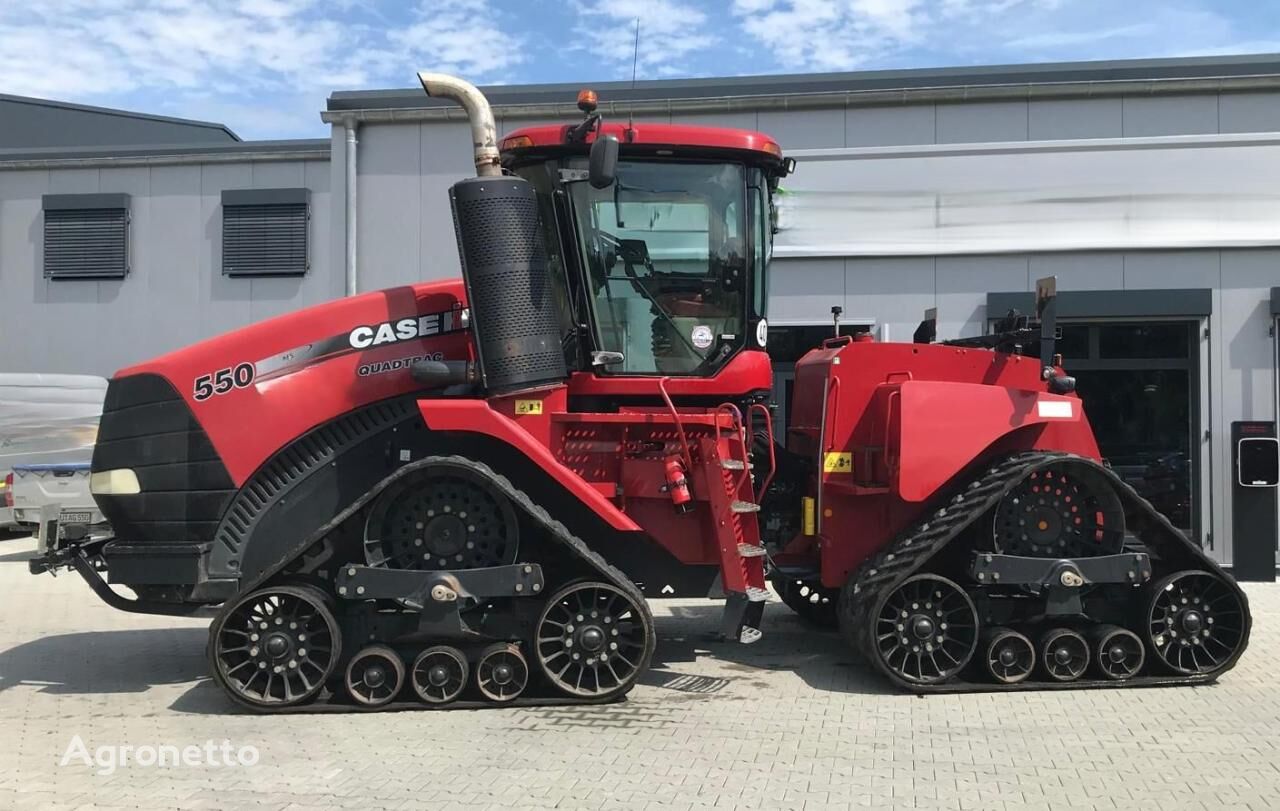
(1149, 188)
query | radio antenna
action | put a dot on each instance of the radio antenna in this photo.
(635, 60)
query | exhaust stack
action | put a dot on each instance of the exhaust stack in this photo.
(515, 316)
(484, 133)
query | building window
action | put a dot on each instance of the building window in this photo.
(86, 236)
(264, 232)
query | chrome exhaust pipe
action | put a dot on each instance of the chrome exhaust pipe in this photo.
(484, 133)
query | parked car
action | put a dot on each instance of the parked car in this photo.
(45, 419)
(61, 490)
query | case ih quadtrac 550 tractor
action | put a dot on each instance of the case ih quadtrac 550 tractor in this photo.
(463, 491)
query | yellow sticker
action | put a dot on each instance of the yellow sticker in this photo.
(528, 407)
(837, 462)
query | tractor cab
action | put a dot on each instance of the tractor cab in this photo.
(658, 239)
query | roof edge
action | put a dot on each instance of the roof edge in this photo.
(113, 111)
(302, 149)
(1218, 71)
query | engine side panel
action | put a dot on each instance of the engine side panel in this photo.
(297, 371)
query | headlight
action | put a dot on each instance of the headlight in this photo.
(121, 482)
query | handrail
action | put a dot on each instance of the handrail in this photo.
(773, 458)
(675, 416)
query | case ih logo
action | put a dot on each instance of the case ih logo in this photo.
(404, 329)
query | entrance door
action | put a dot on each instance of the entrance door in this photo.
(1140, 383)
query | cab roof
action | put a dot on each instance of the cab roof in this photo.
(650, 135)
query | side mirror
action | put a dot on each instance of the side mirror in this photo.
(602, 166)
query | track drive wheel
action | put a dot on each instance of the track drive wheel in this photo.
(812, 602)
(443, 517)
(1065, 654)
(1060, 511)
(439, 674)
(925, 630)
(593, 641)
(1196, 622)
(276, 647)
(502, 673)
(374, 676)
(1010, 656)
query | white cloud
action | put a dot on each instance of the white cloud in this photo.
(235, 53)
(846, 34)
(857, 34)
(671, 32)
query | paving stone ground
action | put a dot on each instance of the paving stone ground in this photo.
(791, 722)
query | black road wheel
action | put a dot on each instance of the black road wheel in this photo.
(1065, 654)
(811, 601)
(1196, 622)
(438, 519)
(374, 676)
(1118, 653)
(1010, 656)
(439, 674)
(1060, 511)
(501, 672)
(593, 641)
(276, 647)
(926, 630)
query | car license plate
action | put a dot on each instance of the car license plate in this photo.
(74, 517)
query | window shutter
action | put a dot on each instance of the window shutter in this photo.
(86, 236)
(264, 232)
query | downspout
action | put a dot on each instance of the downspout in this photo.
(352, 286)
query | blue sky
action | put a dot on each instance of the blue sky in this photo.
(264, 67)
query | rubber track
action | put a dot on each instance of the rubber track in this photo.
(572, 543)
(960, 507)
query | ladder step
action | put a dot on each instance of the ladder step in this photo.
(750, 550)
(756, 595)
(733, 464)
(745, 507)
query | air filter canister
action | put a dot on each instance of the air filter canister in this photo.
(509, 289)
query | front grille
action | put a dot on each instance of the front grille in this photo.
(147, 426)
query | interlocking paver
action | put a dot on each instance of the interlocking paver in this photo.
(791, 722)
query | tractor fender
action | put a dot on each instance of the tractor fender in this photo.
(476, 417)
(940, 428)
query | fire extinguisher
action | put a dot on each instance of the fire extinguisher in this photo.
(678, 484)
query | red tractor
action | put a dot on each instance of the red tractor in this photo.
(464, 491)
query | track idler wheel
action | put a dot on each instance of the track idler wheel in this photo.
(276, 647)
(926, 630)
(1117, 652)
(1065, 654)
(1196, 622)
(593, 641)
(374, 676)
(501, 673)
(1010, 656)
(439, 674)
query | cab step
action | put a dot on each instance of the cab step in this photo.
(733, 464)
(744, 507)
(750, 550)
